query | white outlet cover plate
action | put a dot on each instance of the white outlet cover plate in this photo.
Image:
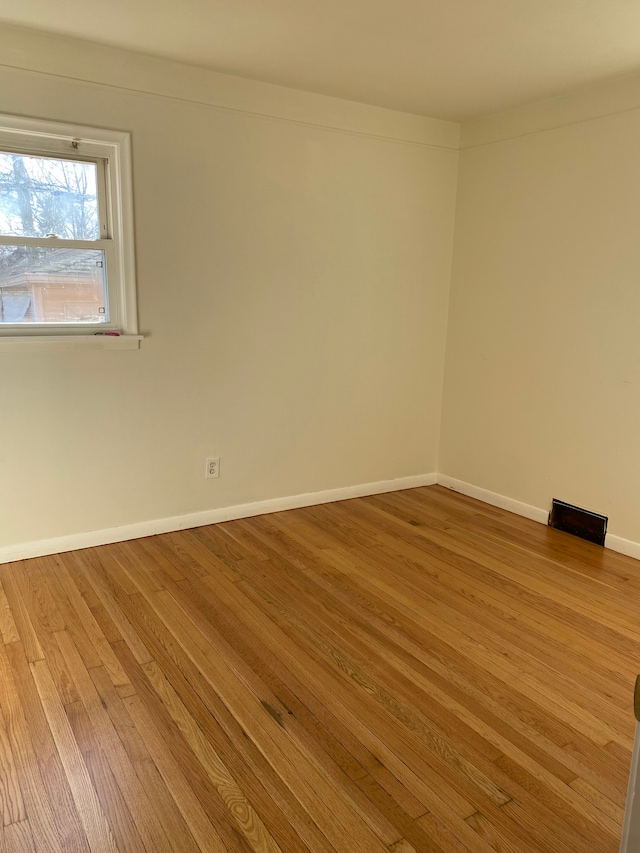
(212, 470)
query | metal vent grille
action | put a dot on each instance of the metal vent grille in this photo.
(579, 522)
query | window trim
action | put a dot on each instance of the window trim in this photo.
(111, 150)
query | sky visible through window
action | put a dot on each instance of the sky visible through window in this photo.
(44, 197)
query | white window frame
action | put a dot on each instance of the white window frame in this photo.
(111, 151)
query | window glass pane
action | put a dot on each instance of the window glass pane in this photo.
(41, 285)
(45, 197)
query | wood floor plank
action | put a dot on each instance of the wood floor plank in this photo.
(441, 801)
(532, 628)
(155, 788)
(491, 833)
(437, 793)
(340, 620)
(317, 784)
(8, 628)
(531, 673)
(147, 818)
(91, 572)
(18, 838)
(401, 700)
(113, 804)
(257, 680)
(566, 793)
(470, 691)
(89, 810)
(484, 651)
(86, 618)
(413, 672)
(249, 708)
(247, 765)
(42, 603)
(249, 821)
(37, 803)
(54, 780)
(256, 777)
(487, 590)
(73, 623)
(11, 803)
(10, 576)
(293, 693)
(436, 831)
(196, 818)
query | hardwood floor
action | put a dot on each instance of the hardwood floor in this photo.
(406, 672)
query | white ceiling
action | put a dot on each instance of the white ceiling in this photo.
(452, 59)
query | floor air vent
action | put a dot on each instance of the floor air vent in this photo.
(580, 522)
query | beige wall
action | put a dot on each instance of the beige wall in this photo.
(293, 284)
(294, 266)
(542, 382)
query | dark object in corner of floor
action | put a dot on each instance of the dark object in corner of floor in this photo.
(580, 522)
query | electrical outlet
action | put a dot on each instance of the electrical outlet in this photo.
(212, 471)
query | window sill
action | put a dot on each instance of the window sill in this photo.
(50, 343)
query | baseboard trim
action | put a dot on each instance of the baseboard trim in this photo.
(493, 498)
(90, 539)
(623, 546)
(613, 543)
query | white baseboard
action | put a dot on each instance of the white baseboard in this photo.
(493, 498)
(89, 539)
(614, 543)
(623, 546)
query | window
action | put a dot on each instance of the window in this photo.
(66, 240)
